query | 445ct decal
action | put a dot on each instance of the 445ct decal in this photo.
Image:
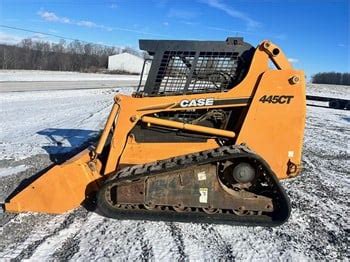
(276, 99)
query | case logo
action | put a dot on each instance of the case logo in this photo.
(197, 102)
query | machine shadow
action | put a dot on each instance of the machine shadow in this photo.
(65, 143)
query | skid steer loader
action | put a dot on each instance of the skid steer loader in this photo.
(206, 139)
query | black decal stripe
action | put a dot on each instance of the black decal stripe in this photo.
(234, 101)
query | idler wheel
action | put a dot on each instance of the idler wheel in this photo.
(243, 173)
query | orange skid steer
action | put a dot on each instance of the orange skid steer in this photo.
(207, 138)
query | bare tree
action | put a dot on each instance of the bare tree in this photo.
(63, 56)
(332, 78)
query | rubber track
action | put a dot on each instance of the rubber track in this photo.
(136, 172)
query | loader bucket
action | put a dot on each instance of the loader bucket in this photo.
(61, 188)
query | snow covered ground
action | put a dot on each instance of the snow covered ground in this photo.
(37, 128)
(337, 91)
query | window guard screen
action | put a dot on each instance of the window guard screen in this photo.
(204, 66)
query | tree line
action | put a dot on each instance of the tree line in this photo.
(331, 78)
(61, 56)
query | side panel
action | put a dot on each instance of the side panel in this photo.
(274, 125)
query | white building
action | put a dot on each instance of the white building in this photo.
(128, 63)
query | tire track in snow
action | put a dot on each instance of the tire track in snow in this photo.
(176, 233)
(83, 117)
(204, 241)
(40, 237)
(321, 183)
(131, 240)
(6, 218)
(69, 248)
(104, 238)
(256, 243)
(104, 106)
(147, 249)
(28, 232)
(164, 239)
(61, 238)
(222, 249)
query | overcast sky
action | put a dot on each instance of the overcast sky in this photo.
(314, 34)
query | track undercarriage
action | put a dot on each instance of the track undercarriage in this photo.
(198, 187)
